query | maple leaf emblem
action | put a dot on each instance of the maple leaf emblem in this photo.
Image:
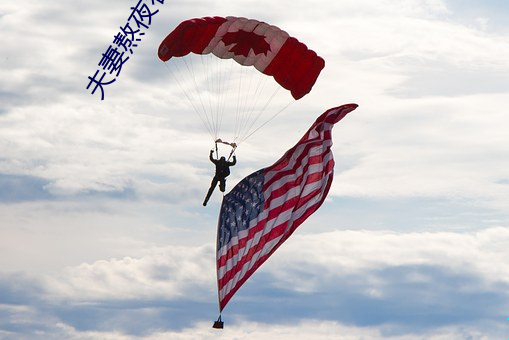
(244, 42)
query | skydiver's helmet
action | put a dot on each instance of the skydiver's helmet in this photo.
(222, 159)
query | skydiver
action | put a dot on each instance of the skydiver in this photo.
(222, 171)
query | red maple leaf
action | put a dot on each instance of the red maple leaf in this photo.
(246, 41)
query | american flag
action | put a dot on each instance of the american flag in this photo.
(266, 207)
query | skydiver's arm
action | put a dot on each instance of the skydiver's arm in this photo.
(234, 161)
(210, 156)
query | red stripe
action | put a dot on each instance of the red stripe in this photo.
(260, 226)
(241, 281)
(241, 243)
(298, 163)
(306, 142)
(298, 181)
(274, 233)
(278, 167)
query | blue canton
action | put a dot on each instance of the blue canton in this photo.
(242, 204)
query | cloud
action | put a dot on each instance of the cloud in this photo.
(448, 159)
(101, 235)
(379, 284)
(168, 273)
(398, 64)
(315, 329)
(412, 281)
(306, 329)
(341, 252)
(15, 188)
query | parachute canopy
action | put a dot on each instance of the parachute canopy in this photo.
(250, 43)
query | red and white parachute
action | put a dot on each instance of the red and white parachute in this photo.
(226, 95)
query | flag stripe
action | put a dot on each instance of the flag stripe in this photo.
(310, 171)
(299, 156)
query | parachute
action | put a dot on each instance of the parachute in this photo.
(238, 74)
(201, 51)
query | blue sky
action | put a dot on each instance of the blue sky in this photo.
(102, 232)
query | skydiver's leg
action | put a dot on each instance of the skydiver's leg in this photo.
(211, 190)
(222, 184)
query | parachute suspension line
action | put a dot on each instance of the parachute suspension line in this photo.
(196, 109)
(234, 146)
(232, 152)
(194, 70)
(268, 121)
(207, 81)
(217, 73)
(239, 110)
(262, 111)
(254, 96)
(213, 91)
(248, 106)
(250, 101)
(224, 68)
(191, 69)
(215, 109)
(193, 97)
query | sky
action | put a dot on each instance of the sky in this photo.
(102, 231)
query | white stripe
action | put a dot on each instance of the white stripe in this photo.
(315, 168)
(230, 263)
(247, 266)
(314, 151)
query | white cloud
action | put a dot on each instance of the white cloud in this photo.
(167, 273)
(387, 51)
(437, 274)
(115, 214)
(45, 237)
(339, 253)
(317, 329)
(308, 329)
(307, 263)
(449, 147)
